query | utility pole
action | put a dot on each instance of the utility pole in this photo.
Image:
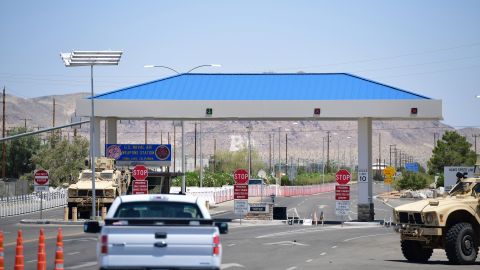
(195, 149)
(270, 152)
(475, 142)
(25, 122)
(273, 152)
(390, 148)
(279, 159)
(201, 155)
(4, 150)
(249, 128)
(328, 151)
(380, 151)
(174, 146)
(145, 131)
(286, 154)
(53, 118)
(214, 154)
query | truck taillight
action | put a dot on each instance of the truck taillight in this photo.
(104, 244)
(216, 245)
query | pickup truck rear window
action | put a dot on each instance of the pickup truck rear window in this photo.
(158, 209)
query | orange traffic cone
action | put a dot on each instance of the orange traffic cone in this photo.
(19, 259)
(2, 261)
(59, 251)
(42, 256)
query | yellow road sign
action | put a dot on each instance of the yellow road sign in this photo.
(389, 171)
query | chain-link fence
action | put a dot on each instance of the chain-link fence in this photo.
(13, 187)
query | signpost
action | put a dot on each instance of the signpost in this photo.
(140, 184)
(342, 193)
(240, 192)
(41, 183)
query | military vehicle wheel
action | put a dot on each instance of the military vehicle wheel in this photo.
(460, 244)
(414, 251)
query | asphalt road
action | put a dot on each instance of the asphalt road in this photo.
(257, 245)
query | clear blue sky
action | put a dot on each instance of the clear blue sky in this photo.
(428, 47)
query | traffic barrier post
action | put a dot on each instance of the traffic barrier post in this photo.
(19, 258)
(41, 256)
(2, 260)
(59, 251)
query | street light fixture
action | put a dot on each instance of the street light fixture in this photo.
(92, 58)
(183, 189)
(176, 71)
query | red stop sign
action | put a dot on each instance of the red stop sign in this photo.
(240, 176)
(343, 177)
(140, 172)
(41, 177)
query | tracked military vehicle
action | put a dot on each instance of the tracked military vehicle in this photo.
(451, 222)
(109, 183)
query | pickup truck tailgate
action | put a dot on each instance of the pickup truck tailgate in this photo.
(160, 246)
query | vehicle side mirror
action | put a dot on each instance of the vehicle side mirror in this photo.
(222, 227)
(91, 226)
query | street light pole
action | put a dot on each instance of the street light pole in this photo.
(91, 58)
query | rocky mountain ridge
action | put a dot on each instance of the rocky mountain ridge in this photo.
(305, 140)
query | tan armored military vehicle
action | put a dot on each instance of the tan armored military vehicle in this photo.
(109, 183)
(451, 222)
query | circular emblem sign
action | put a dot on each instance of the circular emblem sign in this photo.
(240, 176)
(162, 152)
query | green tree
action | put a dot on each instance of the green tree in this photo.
(62, 158)
(452, 150)
(228, 162)
(19, 153)
(411, 180)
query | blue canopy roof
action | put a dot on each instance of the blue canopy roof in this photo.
(265, 86)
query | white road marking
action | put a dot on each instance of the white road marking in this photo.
(31, 261)
(363, 236)
(83, 265)
(229, 265)
(291, 268)
(334, 247)
(231, 245)
(73, 253)
(323, 254)
(85, 239)
(286, 243)
(314, 229)
(322, 206)
(309, 260)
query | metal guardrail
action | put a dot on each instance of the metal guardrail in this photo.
(25, 204)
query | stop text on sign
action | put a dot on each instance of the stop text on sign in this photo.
(140, 172)
(240, 176)
(343, 177)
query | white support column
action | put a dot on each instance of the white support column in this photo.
(111, 130)
(96, 135)
(365, 193)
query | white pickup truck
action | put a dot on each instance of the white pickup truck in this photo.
(158, 232)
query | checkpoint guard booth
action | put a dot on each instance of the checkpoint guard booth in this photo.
(266, 97)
